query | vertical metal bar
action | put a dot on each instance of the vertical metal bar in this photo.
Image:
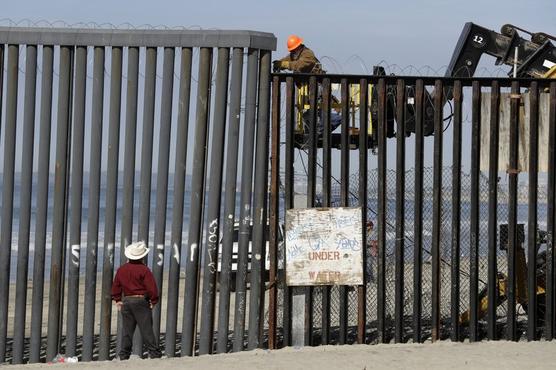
(381, 216)
(7, 192)
(58, 217)
(129, 160)
(550, 226)
(245, 199)
(274, 212)
(289, 172)
(111, 203)
(2, 52)
(258, 263)
(532, 209)
(179, 195)
(129, 149)
(76, 199)
(146, 162)
(437, 209)
(97, 108)
(311, 193)
(456, 213)
(147, 144)
(214, 201)
(234, 115)
(326, 195)
(344, 199)
(492, 209)
(42, 203)
(25, 203)
(475, 213)
(400, 209)
(363, 153)
(513, 243)
(197, 195)
(418, 214)
(162, 179)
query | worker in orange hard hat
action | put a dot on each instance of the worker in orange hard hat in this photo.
(301, 58)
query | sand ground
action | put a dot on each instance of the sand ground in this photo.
(444, 355)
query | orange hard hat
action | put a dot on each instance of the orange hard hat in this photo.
(293, 42)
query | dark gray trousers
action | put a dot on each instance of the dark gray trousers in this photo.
(136, 312)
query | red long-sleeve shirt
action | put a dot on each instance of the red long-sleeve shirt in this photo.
(134, 278)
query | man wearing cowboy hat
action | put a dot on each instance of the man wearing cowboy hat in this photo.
(136, 282)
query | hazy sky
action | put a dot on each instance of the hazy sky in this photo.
(348, 36)
(401, 32)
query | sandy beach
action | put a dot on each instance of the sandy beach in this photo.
(443, 355)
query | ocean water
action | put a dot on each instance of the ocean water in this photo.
(102, 227)
(372, 207)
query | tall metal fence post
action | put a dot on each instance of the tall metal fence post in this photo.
(162, 181)
(274, 213)
(146, 162)
(326, 195)
(130, 138)
(363, 198)
(532, 300)
(25, 204)
(260, 222)
(76, 201)
(475, 213)
(189, 331)
(232, 149)
(418, 213)
(60, 199)
(493, 210)
(550, 222)
(245, 199)
(8, 192)
(95, 155)
(179, 196)
(42, 204)
(513, 241)
(214, 201)
(111, 204)
(381, 216)
(400, 211)
(288, 201)
(344, 200)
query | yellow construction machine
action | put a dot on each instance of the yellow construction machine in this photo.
(535, 58)
(529, 58)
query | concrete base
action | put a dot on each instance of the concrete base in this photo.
(298, 316)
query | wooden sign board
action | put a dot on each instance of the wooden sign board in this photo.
(324, 246)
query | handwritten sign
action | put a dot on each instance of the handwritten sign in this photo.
(324, 246)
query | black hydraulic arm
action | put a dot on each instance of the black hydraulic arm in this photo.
(534, 58)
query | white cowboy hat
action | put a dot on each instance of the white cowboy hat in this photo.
(136, 251)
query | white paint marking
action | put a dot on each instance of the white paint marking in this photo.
(176, 253)
(75, 249)
(160, 254)
(192, 251)
(111, 253)
(160, 259)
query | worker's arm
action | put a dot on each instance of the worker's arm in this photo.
(281, 64)
(305, 63)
